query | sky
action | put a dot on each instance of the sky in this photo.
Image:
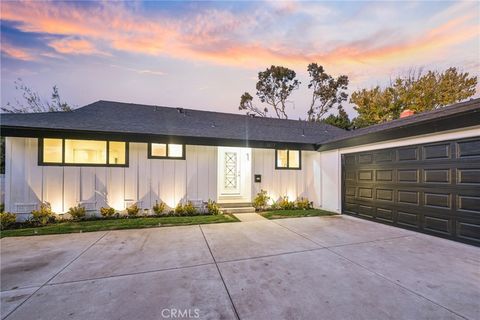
(204, 55)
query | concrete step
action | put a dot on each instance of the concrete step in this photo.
(239, 210)
(235, 205)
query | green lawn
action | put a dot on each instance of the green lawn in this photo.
(117, 224)
(281, 214)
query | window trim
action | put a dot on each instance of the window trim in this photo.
(63, 164)
(149, 152)
(288, 160)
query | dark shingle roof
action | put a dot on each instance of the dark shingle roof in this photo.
(127, 118)
(459, 115)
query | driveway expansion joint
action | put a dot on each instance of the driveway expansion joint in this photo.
(220, 273)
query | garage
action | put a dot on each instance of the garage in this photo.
(432, 188)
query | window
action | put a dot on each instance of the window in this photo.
(288, 159)
(52, 150)
(166, 151)
(73, 152)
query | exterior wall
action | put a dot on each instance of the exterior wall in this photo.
(291, 183)
(145, 180)
(330, 192)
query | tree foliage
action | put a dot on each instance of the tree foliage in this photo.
(327, 91)
(32, 102)
(341, 120)
(416, 91)
(274, 86)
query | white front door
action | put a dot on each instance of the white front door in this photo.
(234, 170)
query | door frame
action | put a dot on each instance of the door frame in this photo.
(245, 175)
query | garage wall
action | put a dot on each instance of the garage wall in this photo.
(145, 180)
(330, 192)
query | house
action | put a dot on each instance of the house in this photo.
(421, 172)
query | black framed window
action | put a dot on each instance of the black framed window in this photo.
(76, 152)
(166, 151)
(288, 159)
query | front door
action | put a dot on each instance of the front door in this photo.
(234, 168)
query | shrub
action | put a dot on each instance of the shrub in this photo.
(159, 208)
(285, 204)
(261, 200)
(44, 215)
(107, 212)
(133, 210)
(189, 209)
(7, 219)
(213, 207)
(179, 209)
(78, 212)
(303, 204)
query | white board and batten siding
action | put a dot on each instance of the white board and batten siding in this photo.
(291, 183)
(144, 181)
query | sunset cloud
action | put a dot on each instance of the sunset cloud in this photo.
(219, 36)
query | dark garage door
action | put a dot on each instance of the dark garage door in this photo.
(432, 188)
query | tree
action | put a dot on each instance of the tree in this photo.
(34, 103)
(274, 86)
(341, 120)
(327, 92)
(246, 103)
(416, 91)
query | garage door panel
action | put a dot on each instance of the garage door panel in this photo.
(438, 225)
(432, 188)
(408, 175)
(438, 200)
(435, 176)
(437, 151)
(468, 149)
(468, 230)
(468, 176)
(384, 214)
(408, 219)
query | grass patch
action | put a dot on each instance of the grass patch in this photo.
(281, 214)
(117, 224)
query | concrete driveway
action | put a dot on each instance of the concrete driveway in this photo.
(306, 268)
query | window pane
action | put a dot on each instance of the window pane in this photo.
(52, 150)
(85, 151)
(116, 152)
(294, 159)
(159, 150)
(175, 150)
(282, 158)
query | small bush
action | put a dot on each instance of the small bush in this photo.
(132, 211)
(107, 212)
(303, 204)
(261, 200)
(179, 209)
(44, 215)
(78, 212)
(7, 219)
(285, 204)
(213, 207)
(187, 209)
(159, 208)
